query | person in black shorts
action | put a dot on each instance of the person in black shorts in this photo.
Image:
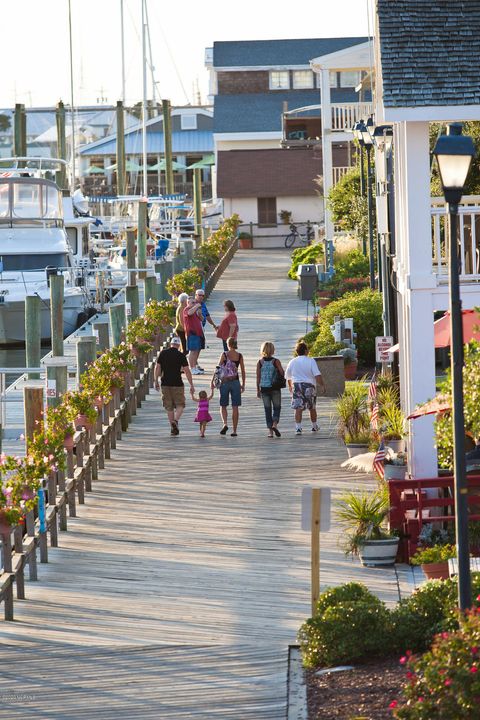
(170, 364)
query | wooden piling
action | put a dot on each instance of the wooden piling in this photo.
(33, 407)
(61, 145)
(142, 238)
(131, 257)
(150, 284)
(132, 297)
(32, 333)
(57, 283)
(57, 376)
(197, 205)
(100, 330)
(121, 174)
(86, 354)
(20, 135)
(188, 245)
(167, 137)
(118, 322)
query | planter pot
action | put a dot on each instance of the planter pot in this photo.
(436, 571)
(82, 421)
(354, 449)
(376, 553)
(68, 443)
(245, 243)
(398, 446)
(350, 371)
(395, 472)
(322, 302)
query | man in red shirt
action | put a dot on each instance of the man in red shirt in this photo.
(192, 323)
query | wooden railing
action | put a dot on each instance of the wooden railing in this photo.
(345, 115)
(468, 237)
(214, 276)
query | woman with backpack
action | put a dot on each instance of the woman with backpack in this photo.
(226, 378)
(270, 380)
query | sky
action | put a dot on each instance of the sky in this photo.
(35, 36)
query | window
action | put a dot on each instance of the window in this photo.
(279, 80)
(333, 78)
(267, 211)
(302, 79)
(188, 122)
(349, 78)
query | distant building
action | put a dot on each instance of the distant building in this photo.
(252, 84)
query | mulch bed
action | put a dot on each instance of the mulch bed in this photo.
(364, 692)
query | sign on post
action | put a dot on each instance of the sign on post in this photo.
(315, 519)
(382, 346)
(51, 391)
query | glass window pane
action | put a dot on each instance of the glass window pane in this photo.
(279, 80)
(51, 202)
(26, 200)
(333, 79)
(303, 79)
(349, 78)
(4, 212)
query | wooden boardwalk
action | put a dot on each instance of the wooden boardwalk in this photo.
(176, 591)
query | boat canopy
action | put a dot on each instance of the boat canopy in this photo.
(27, 200)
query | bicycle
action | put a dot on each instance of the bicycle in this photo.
(295, 235)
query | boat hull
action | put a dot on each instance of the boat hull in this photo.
(12, 319)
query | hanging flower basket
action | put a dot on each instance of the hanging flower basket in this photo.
(68, 442)
(82, 421)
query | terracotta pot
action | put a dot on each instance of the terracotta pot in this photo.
(350, 370)
(245, 243)
(324, 294)
(136, 352)
(324, 301)
(82, 421)
(436, 571)
(68, 443)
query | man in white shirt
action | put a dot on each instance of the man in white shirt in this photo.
(302, 375)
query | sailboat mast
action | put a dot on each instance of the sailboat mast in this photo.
(144, 100)
(72, 106)
(123, 51)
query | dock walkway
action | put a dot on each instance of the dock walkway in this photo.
(177, 590)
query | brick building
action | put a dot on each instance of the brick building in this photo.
(252, 83)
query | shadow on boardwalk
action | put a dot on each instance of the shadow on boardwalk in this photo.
(177, 590)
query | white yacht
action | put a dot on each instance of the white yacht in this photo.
(33, 245)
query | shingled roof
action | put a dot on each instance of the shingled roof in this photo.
(429, 52)
(264, 53)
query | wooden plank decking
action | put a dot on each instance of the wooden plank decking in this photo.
(176, 591)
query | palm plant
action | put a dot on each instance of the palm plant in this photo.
(352, 409)
(362, 516)
(393, 421)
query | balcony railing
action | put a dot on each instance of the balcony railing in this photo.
(345, 115)
(339, 172)
(468, 237)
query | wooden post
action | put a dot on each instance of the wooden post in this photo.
(61, 145)
(7, 568)
(33, 407)
(142, 237)
(118, 322)
(100, 330)
(32, 333)
(176, 265)
(150, 284)
(86, 354)
(197, 205)
(132, 297)
(131, 253)
(56, 313)
(120, 149)
(167, 137)
(188, 245)
(315, 541)
(20, 135)
(57, 376)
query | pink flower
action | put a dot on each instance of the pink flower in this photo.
(474, 650)
(445, 635)
(447, 682)
(473, 669)
(403, 660)
(393, 704)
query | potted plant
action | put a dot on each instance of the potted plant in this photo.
(285, 216)
(58, 424)
(354, 422)
(82, 410)
(363, 517)
(434, 560)
(395, 466)
(350, 362)
(245, 241)
(393, 427)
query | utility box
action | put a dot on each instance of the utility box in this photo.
(308, 281)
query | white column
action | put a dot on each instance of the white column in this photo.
(416, 283)
(326, 146)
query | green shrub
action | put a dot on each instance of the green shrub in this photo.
(310, 255)
(365, 307)
(349, 592)
(351, 264)
(345, 632)
(434, 554)
(444, 683)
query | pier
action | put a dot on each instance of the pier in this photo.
(185, 576)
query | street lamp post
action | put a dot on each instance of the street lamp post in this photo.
(454, 153)
(368, 143)
(357, 134)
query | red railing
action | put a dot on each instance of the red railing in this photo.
(411, 508)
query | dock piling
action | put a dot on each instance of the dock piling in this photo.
(32, 333)
(57, 284)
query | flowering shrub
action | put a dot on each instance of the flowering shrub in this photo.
(80, 402)
(185, 282)
(18, 486)
(445, 681)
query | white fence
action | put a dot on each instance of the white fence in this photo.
(468, 237)
(345, 115)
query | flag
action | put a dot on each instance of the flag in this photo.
(372, 390)
(378, 461)
(374, 416)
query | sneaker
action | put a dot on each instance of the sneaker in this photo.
(196, 371)
(174, 429)
(200, 368)
(298, 431)
(315, 428)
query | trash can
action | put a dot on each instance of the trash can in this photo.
(308, 281)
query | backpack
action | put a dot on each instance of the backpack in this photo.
(268, 372)
(227, 371)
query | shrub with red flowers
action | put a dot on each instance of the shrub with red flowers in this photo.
(19, 483)
(444, 683)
